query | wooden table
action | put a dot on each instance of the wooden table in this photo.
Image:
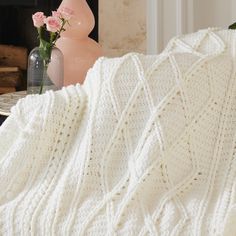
(8, 100)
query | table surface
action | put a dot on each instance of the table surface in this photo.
(8, 100)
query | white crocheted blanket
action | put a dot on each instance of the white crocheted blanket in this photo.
(145, 147)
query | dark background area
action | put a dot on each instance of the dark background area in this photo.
(16, 25)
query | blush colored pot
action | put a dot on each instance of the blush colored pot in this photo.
(80, 52)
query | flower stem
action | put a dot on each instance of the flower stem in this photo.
(60, 31)
(45, 68)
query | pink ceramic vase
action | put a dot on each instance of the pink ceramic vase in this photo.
(80, 52)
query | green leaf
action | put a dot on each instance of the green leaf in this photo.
(233, 26)
(45, 49)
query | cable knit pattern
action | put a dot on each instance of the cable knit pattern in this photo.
(145, 147)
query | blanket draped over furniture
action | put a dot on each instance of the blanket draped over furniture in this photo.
(146, 146)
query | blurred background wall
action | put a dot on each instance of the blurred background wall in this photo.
(122, 26)
(146, 26)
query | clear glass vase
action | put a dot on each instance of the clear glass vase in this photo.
(42, 74)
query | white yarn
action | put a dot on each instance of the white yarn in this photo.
(145, 147)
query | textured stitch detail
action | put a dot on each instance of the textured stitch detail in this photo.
(146, 146)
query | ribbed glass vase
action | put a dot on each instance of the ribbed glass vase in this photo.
(45, 74)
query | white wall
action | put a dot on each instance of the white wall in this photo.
(167, 18)
(213, 13)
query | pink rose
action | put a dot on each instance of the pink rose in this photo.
(56, 14)
(66, 12)
(38, 19)
(53, 23)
